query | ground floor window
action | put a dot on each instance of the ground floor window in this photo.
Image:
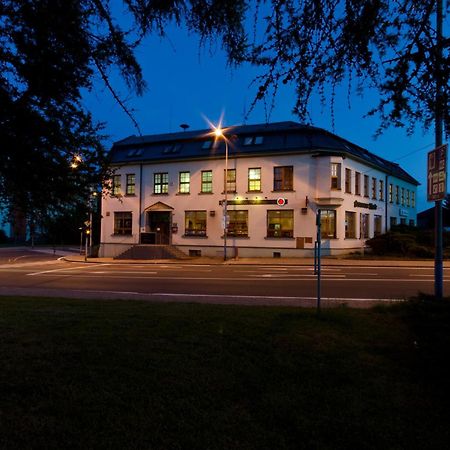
(350, 225)
(328, 223)
(411, 222)
(393, 221)
(122, 223)
(237, 223)
(280, 224)
(377, 221)
(195, 223)
(364, 226)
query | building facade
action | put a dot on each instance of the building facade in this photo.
(281, 180)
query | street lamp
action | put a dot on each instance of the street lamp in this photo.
(218, 132)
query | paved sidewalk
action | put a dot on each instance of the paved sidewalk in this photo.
(326, 261)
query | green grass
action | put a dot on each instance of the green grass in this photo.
(135, 375)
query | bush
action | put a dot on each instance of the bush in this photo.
(404, 241)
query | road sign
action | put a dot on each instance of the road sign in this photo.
(437, 174)
(281, 201)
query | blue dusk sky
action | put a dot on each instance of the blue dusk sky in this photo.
(187, 83)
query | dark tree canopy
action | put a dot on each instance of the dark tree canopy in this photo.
(50, 50)
(387, 45)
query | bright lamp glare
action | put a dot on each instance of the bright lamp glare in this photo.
(218, 132)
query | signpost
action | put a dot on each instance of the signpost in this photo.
(436, 191)
(437, 174)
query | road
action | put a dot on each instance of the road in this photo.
(216, 283)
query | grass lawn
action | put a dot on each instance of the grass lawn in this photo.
(135, 375)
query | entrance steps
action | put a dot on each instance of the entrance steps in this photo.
(143, 251)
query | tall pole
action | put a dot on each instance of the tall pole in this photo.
(319, 262)
(438, 265)
(225, 206)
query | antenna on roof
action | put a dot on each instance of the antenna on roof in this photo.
(185, 126)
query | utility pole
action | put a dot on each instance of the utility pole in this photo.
(438, 264)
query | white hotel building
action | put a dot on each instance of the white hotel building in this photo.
(169, 189)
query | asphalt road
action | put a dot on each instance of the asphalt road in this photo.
(244, 284)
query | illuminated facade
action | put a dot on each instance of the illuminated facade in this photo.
(169, 190)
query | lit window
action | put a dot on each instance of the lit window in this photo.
(184, 183)
(374, 188)
(381, 190)
(391, 193)
(237, 223)
(283, 178)
(207, 145)
(231, 180)
(195, 223)
(122, 223)
(350, 225)
(131, 184)
(116, 185)
(206, 181)
(161, 183)
(335, 176)
(254, 179)
(280, 224)
(328, 223)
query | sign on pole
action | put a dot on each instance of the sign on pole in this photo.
(437, 174)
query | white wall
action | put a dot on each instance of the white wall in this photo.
(311, 179)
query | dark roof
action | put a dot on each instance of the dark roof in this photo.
(278, 137)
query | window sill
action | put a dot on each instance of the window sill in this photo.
(283, 190)
(254, 192)
(237, 237)
(193, 236)
(267, 238)
(121, 235)
(205, 193)
(162, 193)
(183, 193)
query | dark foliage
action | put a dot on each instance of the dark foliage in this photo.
(388, 46)
(50, 51)
(408, 241)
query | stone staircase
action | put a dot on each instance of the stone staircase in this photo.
(143, 251)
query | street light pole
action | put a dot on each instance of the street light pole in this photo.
(219, 135)
(225, 203)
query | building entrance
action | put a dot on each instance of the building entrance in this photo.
(159, 227)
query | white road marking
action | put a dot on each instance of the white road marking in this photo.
(239, 297)
(86, 266)
(311, 277)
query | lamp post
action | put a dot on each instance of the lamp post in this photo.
(219, 134)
